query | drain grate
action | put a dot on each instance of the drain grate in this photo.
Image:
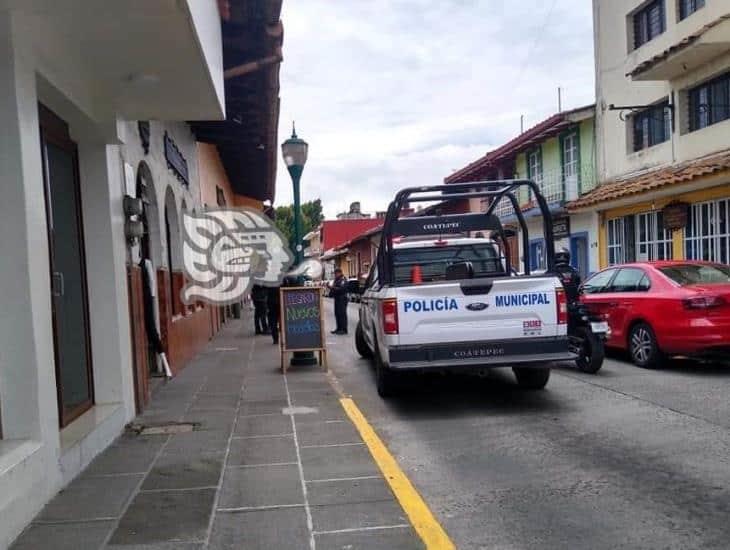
(166, 428)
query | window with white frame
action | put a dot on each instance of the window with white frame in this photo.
(534, 165)
(571, 160)
(707, 235)
(571, 165)
(534, 169)
(616, 249)
(639, 237)
(653, 242)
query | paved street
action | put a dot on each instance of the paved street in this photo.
(627, 458)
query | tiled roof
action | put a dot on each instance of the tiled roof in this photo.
(679, 46)
(679, 173)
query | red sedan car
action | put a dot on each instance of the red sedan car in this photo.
(656, 309)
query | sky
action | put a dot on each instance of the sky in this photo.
(395, 93)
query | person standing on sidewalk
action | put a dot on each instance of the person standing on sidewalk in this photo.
(339, 293)
(272, 304)
(259, 296)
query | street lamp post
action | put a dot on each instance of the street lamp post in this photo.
(295, 151)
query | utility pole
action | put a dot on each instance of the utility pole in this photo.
(560, 99)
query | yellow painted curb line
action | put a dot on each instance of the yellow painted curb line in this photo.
(418, 512)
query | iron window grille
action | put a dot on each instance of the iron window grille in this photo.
(688, 7)
(709, 103)
(649, 22)
(653, 242)
(707, 235)
(652, 126)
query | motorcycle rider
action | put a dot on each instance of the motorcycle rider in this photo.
(569, 275)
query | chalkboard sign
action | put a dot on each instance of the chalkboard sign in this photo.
(302, 321)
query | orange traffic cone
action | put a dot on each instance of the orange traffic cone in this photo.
(416, 277)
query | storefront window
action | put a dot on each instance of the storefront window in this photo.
(707, 236)
(653, 242)
(639, 238)
(616, 252)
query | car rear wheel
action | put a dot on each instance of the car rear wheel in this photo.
(361, 345)
(643, 347)
(532, 379)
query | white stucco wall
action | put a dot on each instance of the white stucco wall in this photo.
(615, 58)
(579, 223)
(132, 153)
(207, 26)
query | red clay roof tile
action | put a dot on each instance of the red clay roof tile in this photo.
(678, 173)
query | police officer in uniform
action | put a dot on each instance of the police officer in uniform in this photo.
(258, 294)
(569, 275)
(272, 305)
(339, 293)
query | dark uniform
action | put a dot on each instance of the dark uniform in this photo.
(272, 303)
(339, 293)
(569, 276)
(258, 294)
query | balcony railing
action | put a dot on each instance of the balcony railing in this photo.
(555, 188)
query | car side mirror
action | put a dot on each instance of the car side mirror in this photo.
(459, 270)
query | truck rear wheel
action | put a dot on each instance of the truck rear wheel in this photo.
(385, 378)
(361, 345)
(532, 379)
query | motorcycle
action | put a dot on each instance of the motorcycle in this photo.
(587, 334)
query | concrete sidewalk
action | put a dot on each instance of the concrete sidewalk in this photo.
(273, 463)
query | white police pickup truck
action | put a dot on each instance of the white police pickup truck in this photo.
(439, 298)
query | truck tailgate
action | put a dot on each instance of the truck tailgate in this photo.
(479, 311)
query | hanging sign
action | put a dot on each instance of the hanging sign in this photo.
(561, 228)
(675, 215)
(176, 161)
(302, 322)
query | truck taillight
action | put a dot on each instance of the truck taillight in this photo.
(390, 316)
(561, 302)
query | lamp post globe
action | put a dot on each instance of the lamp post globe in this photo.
(294, 150)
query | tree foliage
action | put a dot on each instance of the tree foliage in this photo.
(311, 218)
